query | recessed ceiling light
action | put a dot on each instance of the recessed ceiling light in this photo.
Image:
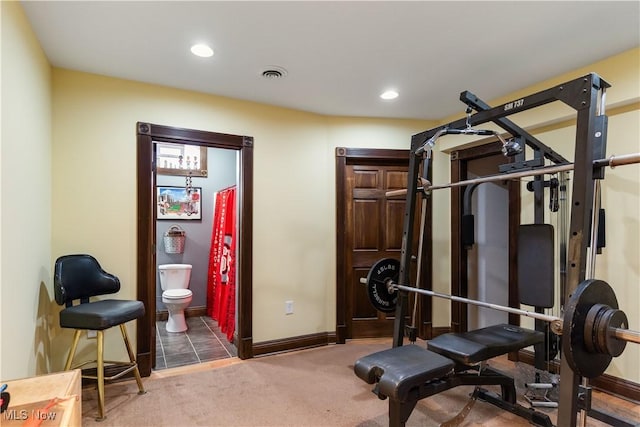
(389, 94)
(202, 50)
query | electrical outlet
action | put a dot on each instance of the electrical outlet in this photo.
(288, 307)
(91, 334)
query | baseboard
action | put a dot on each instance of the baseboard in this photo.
(162, 315)
(294, 343)
(610, 384)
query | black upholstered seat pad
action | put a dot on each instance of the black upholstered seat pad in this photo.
(483, 344)
(100, 314)
(401, 368)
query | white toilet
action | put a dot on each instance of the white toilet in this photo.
(174, 280)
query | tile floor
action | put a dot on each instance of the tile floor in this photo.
(202, 342)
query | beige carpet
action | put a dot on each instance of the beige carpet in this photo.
(315, 387)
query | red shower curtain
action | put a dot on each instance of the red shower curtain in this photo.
(221, 286)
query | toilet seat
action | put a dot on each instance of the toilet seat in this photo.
(177, 293)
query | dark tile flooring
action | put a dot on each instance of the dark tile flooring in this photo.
(201, 342)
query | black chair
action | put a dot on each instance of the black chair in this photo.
(80, 277)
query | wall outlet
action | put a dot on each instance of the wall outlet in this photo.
(91, 334)
(288, 307)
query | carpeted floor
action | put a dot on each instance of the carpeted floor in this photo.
(315, 387)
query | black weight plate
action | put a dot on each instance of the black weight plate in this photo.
(616, 319)
(591, 327)
(383, 271)
(582, 361)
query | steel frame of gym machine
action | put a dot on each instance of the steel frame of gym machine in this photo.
(586, 96)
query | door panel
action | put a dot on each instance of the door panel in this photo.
(365, 213)
(394, 215)
(362, 308)
(396, 179)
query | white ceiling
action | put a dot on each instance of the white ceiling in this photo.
(339, 55)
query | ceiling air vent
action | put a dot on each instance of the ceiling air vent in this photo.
(274, 73)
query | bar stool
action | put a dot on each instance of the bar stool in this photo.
(79, 277)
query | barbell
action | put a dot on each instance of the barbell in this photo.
(595, 330)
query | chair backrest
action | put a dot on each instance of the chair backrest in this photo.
(80, 277)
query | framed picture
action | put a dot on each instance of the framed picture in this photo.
(176, 203)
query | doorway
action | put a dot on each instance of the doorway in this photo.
(148, 135)
(465, 279)
(369, 227)
(488, 258)
(189, 181)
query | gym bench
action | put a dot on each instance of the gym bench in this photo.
(407, 374)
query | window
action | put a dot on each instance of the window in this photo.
(181, 159)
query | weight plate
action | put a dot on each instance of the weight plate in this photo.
(382, 272)
(591, 327)
(582, 361)
(616, 319)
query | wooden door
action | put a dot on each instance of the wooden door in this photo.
(372, 229)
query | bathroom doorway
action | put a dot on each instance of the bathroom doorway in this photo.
(237, 154)
(189, 179)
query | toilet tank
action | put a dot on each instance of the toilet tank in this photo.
(174, 276)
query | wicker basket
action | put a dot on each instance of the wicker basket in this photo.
(174, 239)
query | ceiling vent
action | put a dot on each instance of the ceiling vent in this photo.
(274, 73)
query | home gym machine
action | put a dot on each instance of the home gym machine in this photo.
(592, 329)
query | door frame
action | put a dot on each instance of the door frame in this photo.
(363, 156)
(146, 134)
(459, 260)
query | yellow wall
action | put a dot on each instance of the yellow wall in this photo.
(25, 198)
(94, 163)
(89, 157)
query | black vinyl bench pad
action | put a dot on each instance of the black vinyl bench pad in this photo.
(476, 346)
(399, 369)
